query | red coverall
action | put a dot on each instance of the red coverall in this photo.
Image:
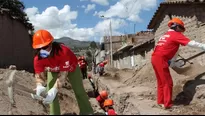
(111, 112)
(165, 50)
(83, 67)
(100, 101)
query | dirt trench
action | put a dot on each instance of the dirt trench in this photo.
(134, 92)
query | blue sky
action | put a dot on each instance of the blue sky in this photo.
(80, 19)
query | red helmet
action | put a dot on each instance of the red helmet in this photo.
(104, 94)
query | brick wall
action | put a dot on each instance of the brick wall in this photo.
(15, 45)
(129, 39)
(116, 42)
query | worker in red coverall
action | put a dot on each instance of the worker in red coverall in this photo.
(101, 67)
(57, 58)
(103, 95)
(79, 64)
(83, 66)
(164, 51)
(108, 106)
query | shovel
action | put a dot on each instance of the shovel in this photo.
(183, 61)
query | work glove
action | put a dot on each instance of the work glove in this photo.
(50, 96)
(39, 89)
(193, 43)
(203, 47)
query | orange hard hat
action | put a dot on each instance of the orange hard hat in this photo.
(104, 94)
(108, 102)
(177, 21)
(42, 38)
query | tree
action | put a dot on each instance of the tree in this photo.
(93, 45)
(89, 54)
(16, 11)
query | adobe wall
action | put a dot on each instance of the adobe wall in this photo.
(15, 44)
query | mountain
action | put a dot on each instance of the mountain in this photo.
(73, 43)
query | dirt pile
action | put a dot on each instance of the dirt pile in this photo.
(24, 84)
(134, 92)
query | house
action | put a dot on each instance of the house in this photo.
(15, 43)
(138, 53)
(192, 13)
(132, 52)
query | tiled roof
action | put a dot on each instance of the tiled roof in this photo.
(163, 5)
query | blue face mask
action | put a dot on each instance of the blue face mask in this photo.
(44, 53)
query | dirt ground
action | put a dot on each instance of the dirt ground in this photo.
(23, 86)
(134, 92)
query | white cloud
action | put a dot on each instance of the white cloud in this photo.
(103, 27)
(129, 9)
(83, 6)
(101, 2)
(31, 11)
(59, 23)
(95, 13)
(90, 7)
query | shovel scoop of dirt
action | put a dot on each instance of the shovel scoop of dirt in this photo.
(189, 69)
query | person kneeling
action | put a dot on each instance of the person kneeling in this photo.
(108, 106)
